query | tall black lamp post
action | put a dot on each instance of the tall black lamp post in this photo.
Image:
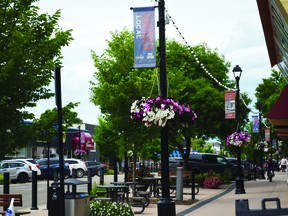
(166, 206)
(239, 178)
(261, 171)
(79, 140)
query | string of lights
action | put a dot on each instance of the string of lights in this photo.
(200, 63)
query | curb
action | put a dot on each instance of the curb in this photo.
(206, 201)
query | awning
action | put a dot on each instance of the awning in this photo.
(86, 141)
(278, 115)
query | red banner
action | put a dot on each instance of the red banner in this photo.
(229, 105)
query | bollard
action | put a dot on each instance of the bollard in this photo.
(101, 177)
(74, 176)
(6, 183)
(193, 185)
(89, 176)
(115, 173)
(55, 176)
(34, 191)
(179, 183)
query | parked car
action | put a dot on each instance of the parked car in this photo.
(174, 163)
(245, 168)
(203, 162)
(53, 167)
(31, 162)
(96, 167)
(78, 165)
(18, 171)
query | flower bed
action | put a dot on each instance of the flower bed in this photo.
(212, 182)
(103, 208)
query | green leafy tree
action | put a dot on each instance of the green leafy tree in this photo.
(30, 47)
(118, 86)
(267, 93)
(45, 126)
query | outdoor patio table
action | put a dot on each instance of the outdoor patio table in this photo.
(125, 184)
(153, 182)
(112, 190)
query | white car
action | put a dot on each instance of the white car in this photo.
(78, 165)
(31, 162)
(18, 170)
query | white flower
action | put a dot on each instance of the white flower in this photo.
(158, 111)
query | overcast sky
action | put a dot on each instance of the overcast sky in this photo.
(231, 26)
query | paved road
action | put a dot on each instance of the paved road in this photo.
(42, 186)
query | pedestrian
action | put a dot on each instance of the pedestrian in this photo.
(270, 169)
(283, 163)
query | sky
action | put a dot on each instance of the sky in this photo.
(233, 27)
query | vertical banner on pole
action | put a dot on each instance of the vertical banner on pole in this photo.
(267, 134)
(144, 37)
(230, 105)
(255, 124)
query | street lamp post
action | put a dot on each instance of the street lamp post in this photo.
(261, 171)
(239, 178)
(79, 140)
(166, 206)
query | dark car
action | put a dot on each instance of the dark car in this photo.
(245, 168)
(204, 162)
(96, 167)
(53, 167)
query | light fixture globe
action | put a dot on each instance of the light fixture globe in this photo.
(237, 71)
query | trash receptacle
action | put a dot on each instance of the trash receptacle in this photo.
(53, 201)
(76, 203)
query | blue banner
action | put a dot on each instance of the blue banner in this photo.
(255, 124)
(144, 37)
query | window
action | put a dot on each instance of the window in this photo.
(211, 159)
(71, 162)
(4, 166)
(221, 160)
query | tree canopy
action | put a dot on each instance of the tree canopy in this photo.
(117, 85)
(269, 91)
(30, 47)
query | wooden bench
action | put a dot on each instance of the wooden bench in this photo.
(173, 173)
(5, 203)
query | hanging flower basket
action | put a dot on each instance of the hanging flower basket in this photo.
(79, 152)
(158, 111)
(238, 139)
(261, 145)
(271, 150)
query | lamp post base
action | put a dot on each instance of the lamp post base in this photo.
(239, 186)
(166, 207)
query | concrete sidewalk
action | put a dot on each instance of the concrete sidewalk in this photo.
(222, 201)
(255, 192)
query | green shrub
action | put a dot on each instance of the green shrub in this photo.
(226, 176)
(1, 179)
(110, 172)
(95, 189)
(103, 208)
